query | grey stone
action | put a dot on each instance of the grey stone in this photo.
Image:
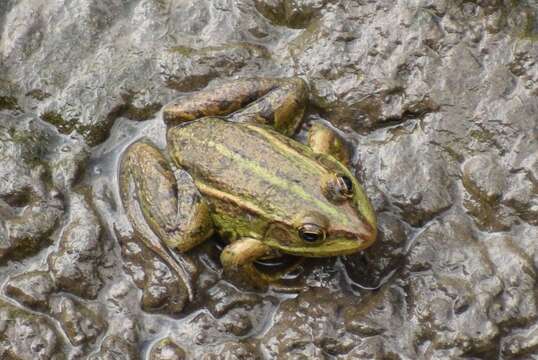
(32, 289)
(75, 265)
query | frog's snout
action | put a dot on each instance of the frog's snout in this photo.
(367, 235)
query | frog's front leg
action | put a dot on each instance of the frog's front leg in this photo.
(239, 257)
(279, 103)
(173, 210)
(243, 251)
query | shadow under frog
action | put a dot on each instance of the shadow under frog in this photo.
(231, 168)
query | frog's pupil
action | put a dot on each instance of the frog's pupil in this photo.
(311, 233)
(348, 184)
(310, 237)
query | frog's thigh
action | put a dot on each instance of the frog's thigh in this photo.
(282, 108)
(175, 211)
(322, 139)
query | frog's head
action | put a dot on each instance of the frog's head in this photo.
(340, 222)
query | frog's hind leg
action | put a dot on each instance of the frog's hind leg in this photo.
(157, 204)
(276, 102)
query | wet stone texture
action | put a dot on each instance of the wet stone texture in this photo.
(438, 99)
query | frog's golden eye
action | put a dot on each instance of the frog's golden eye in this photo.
(311, 233)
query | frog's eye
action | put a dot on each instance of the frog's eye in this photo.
(345, 186)
(338, 187)
(311, 233)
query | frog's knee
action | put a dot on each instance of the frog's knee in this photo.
(144, 160)
(139, 151)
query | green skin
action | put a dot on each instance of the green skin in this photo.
(243, 177)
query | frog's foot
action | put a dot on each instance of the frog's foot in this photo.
(324, 140)
(275, 102)
(238, 260)
(282, 108)
(162, 209)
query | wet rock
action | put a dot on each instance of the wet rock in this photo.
(27, 237)
(304, 326)
(224, 297)
(32, 289)
(484, 178)
(521, 194)
(292, 13)
(335, 57)
(370, 268)
(414, 182)
(162, 290)
(233, 351)
(237, 323)
(75, 265)
(166, 349)
(67, 164)
(79, 323)
(189, 69)
(115, 348)
(516, 305)
(88, 104)
(365, 320)
(27, 336)
(485, 181)
(521, 344)
(30, 208)
(379, 315)
(451, 306)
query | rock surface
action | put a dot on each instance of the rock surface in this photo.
(438, 98)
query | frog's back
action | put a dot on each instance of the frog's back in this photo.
(260, 168)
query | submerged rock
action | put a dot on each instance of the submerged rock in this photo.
(32, 289)
(30, 208)
(80, 324)
(115, 348)
(75, 266)
(26, 336)
(166, 349)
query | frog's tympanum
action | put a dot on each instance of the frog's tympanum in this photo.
(230, 167)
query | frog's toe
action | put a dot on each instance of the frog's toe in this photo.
(324, 140)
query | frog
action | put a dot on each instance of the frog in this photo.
(231, 167)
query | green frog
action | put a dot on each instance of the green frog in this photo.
(231, 168)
